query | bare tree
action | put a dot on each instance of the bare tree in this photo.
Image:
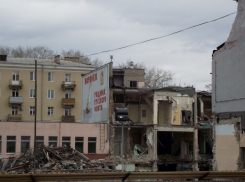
(131, 64)
(208, 87)
(96, 62)
(5, 50)
(154, 77)
(158, 78)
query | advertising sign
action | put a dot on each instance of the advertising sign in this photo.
(95, 95)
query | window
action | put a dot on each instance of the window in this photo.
(50, 94)
(32, 93)
(0, 144)
(67, 93)
(67, 111)
(91, 145)
(15, 76)
(133, 83)
(79, 144)
(32, 110)
(14, 110)
(32, 76)
(52, 141)
(15, 92)
(39, 140)
(11, 144)
(25, 144)
(68, 77)
(50, 77)
(143, 113)
(50, 111)
(66, 141)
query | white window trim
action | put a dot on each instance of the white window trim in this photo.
(30, 92)
(32, 111)
(33, 76)
(69, 111)
(48, 111)
(69, 76)
(48, 95)
(52, 77)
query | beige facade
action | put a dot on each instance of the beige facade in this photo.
(51, 92)
(59, 97)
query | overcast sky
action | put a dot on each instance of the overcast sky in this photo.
(96, 25)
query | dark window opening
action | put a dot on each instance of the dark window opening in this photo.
(66, 141)
(91, 145)
(25, 144)
(133, 84)
(11, 140)
(39, 140)
(79, 144)
(52, 141)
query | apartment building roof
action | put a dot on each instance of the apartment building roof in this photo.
(46, 62)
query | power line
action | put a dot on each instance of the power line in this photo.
(194, 26)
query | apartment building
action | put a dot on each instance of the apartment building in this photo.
(59, 87)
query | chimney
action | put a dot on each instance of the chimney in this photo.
(3, 57)
(72, 59)
(57, 59)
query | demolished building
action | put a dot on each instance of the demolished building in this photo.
(228, 98)
(161, 133)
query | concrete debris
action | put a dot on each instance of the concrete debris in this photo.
(49, 159)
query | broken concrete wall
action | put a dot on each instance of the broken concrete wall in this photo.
(177, 102)
(133, 75)
(226, 148)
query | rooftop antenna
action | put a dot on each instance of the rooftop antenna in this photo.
(111, 57)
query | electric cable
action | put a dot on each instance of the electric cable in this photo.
(191, 27)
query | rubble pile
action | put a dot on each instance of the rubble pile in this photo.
(50, 159)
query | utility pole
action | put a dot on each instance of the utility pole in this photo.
(122, 145)
(35, 120)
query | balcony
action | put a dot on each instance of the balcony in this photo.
(68, 85)
(68, 119)
(68, 102)
(16, 117)
(15, 84)
(15, 100)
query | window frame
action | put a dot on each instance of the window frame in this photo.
(10, 140)
(49, 94)
(77, 142)
(50, 110)
(68, 77)
(15, 76)
(132, 83)
(92, 142)
(52, 141)
(32, 110)
(69, 111)
(50, 77)
(66, 140)
(41, 141)
(25, 141)
(14, 110)
(67, 94)
(15, 92)
(32, 93)
(32, 76)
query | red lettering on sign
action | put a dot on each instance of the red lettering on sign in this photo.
(91, 78)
